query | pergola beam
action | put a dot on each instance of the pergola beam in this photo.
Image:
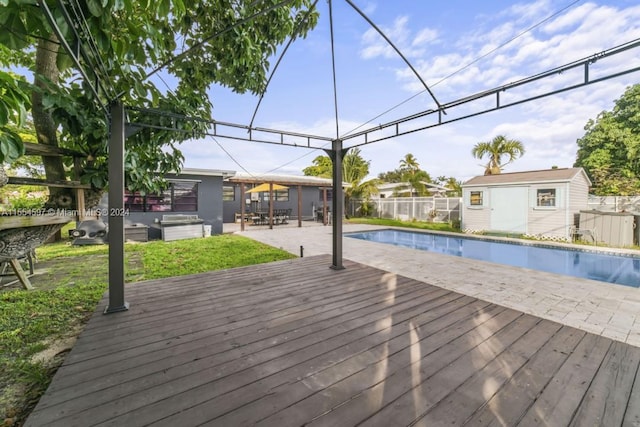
(394, 127)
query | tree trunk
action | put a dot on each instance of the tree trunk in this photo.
(46, 71)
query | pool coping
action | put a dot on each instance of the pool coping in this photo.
(626, 252)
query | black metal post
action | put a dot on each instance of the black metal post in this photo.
(337, 206)
(116, 211)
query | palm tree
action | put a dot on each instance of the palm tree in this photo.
(409, 166)
(354, 170)
(409, 163)
(498, 147)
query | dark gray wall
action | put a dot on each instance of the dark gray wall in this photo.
(310, 197)
(209, 206)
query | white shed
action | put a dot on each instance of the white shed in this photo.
(538, 203)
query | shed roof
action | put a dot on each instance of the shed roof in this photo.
(545, 175)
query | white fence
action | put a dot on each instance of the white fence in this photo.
(445, 209)
(615, 203)
(436, 209)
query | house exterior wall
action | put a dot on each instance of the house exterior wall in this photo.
(478, 217)
(311, 197)
(209, 206)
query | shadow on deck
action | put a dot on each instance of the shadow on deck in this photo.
(295, 342)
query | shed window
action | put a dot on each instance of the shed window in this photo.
(228, 193)
(475, 198)
(546, 197)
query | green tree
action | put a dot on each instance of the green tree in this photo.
(322, 167)
(229, 42)
(409, 172)
(391, 176)
(453, 184)
(495, 150)
(610, 149)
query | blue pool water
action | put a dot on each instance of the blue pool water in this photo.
(619, 269)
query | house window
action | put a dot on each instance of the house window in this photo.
(475, 198)
(228, 193)
(179, 197)
(546, 197)
(281, 195)
(278, 195)
(329, 194)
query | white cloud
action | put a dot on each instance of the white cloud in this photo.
(569, 19)
(401, 36)
(369, 8)
(425, 36)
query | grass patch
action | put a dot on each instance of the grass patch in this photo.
(64, 249)
(29, 321)
(436, 226)
(200, 255)
(70, 282)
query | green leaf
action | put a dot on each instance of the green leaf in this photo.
(11, 146)
(63, 61)
(94, 8)
(14, 35)
(164, 7)
(4, 114)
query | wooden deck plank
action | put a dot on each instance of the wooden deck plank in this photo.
(607, 398)
(119, 398)
(345, 361)
(204, 339)
(177, 291)
(237, 378)
(281, 310)
(294, 342)
(334, 387)
(261, 296)
(234, 344)
(513, 400)
(400, 386)
(632, 416)
(184, 323)
(563, 395)
(472, 394)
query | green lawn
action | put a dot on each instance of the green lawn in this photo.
(71, 283)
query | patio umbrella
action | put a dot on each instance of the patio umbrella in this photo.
(265, 187)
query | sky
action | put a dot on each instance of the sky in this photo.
(458, 48)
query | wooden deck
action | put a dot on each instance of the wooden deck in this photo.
(294, 343)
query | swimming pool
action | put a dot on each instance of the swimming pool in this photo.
(619, 269)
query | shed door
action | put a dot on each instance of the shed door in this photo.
(509, 209)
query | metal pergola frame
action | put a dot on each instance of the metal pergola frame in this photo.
(120, 128)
